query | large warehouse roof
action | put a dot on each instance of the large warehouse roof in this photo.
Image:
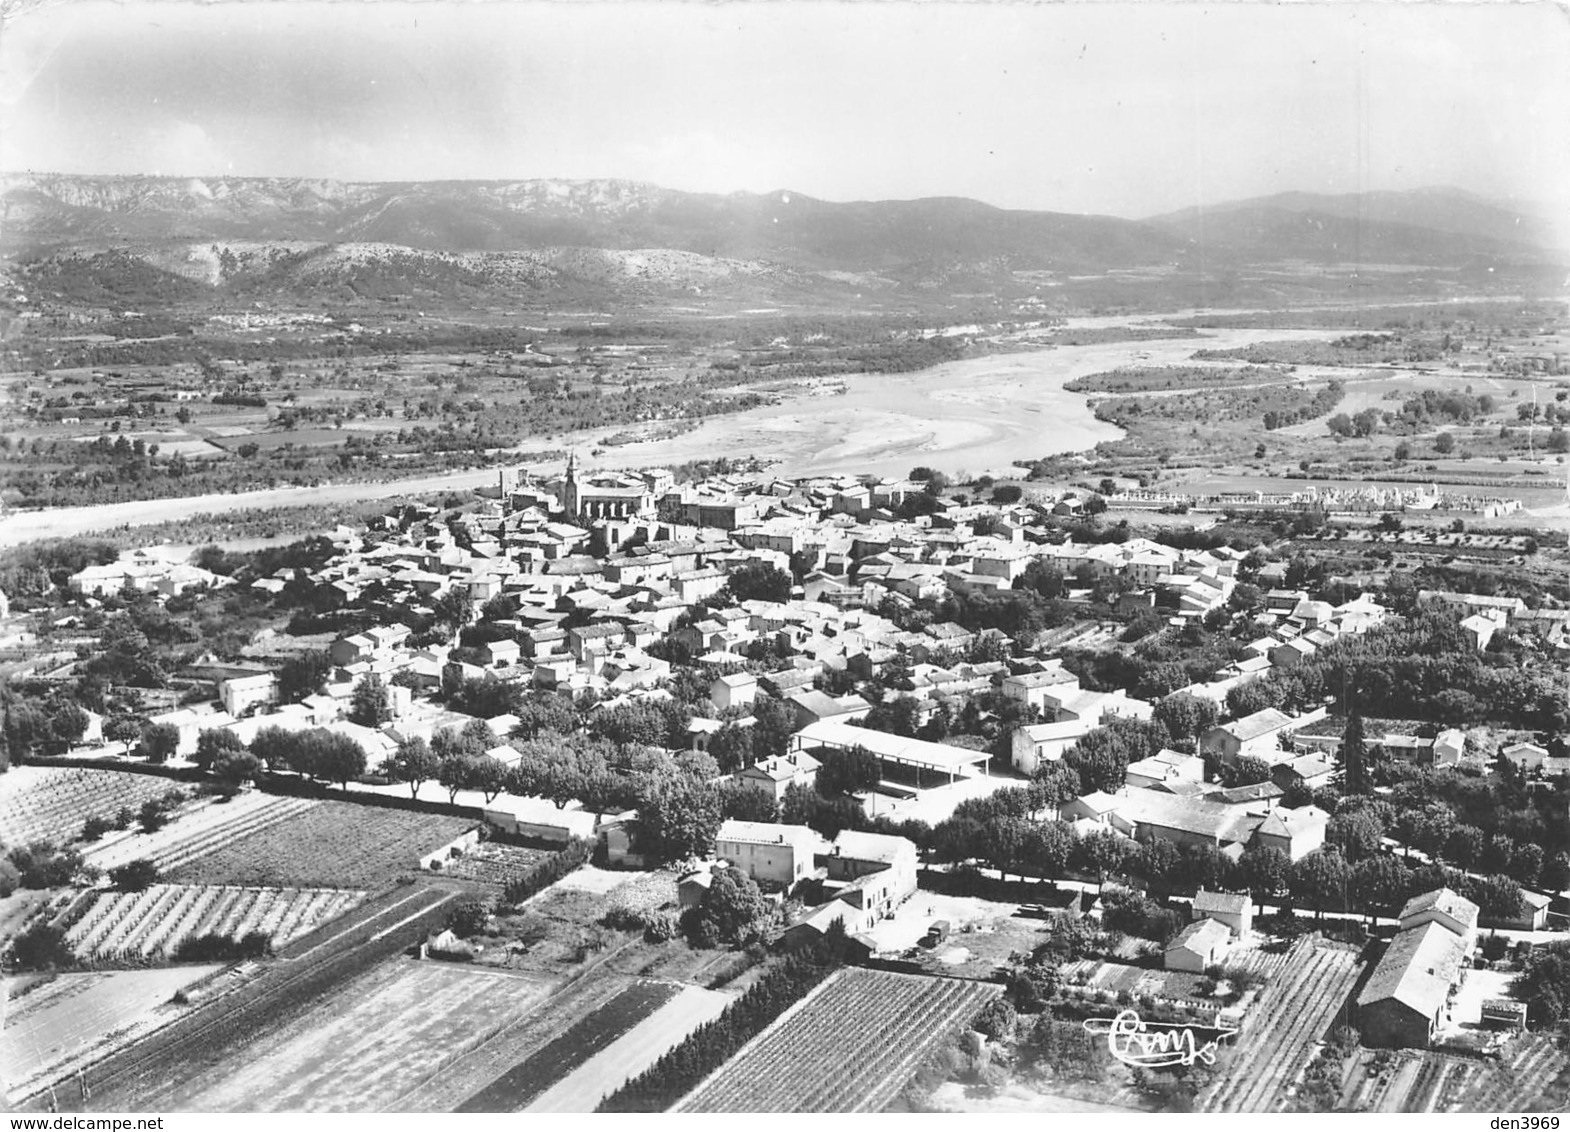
(889, 748)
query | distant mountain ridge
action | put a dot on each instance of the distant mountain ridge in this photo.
(1397, 224)
(107, 236)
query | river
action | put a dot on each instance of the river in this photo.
(973, 416)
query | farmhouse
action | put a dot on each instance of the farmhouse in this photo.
(1407, 996)
(1296, 833)
(243, 694)
(1200, 945)
(880, 867)
(776, 856)
(1254, 736)
(1442, 906)
(775, 775)
(1235, 911)
(1038, 743)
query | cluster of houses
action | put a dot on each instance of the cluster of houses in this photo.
(158, 570)
(855, 880)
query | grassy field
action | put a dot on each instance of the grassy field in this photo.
(334, 844)
(371, 1043)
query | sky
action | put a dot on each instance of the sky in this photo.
(1122, 109)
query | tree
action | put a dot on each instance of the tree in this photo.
(454, 608)
(680, 818)
(733, 911)
(1266, 872)
(758, 582)
(1444, 444)
(274, 746)
(1320, 880)
(159, 741)
(488, 775)
(371, 703)
(1544, 984)
(67, 723)
(1103, 755)
(303, 675)
(133, 876)
(123, 729)
(848, 772)
(213, 743)
(1105, 852)
(745, 803)
(152, 816)
(235, 768)
(1351, 775)
(413, 763)
(1380, 883)
(731, 748)
(1245, 771)
(1358, 834)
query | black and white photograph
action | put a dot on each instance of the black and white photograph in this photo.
(784, 556)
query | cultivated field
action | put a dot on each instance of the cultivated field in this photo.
(44, 803)
(197, 830)
(597, 1078)
(151, 924)
(1532, 1075)
(1291, 1015)
(585, 1039)
(373, 1041)
(329, 844)
(849, 1046)
(67, 1016)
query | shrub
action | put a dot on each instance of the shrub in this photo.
(207, 948)
(469, 918)
(40, 946)
(661, 927)
(9, 878)
(95, 827)
(133, 876)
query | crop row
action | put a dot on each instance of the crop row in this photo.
(154, 922)
(1293, 1014)
(850, 1046)
(1534, 1075)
